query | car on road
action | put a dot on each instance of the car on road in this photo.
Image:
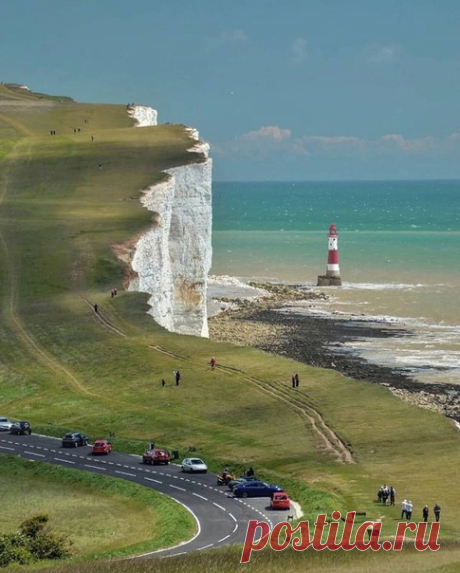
(74, 439)
(256, 489)
(5, 424)
(156, 456)
(194, 465)
(101, 447)
(280, 500)
(21, 427)
(241, 480)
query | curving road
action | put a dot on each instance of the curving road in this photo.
(221, 518)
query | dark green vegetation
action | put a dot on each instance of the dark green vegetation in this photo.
(65, 368)
(34, 541)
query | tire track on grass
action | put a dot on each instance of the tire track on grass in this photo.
(331, 440)
(10, 307)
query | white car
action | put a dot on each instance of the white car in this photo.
(5, 424)
(194, 465)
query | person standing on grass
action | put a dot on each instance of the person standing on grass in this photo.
(293, 381)
(392, 495)
(437, 512)
(425, 513)
(213, 363)
(296, 380)
(163, 383)
(96, 308)
(409, 508)
(177, 377)
(404, 509)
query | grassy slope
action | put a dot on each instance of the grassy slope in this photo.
(59, 215)
(99, 515)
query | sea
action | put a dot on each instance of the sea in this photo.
(399, 256)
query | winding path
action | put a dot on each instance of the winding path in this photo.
(221, 518)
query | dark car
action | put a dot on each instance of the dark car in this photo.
(21, 428)
(255, 489)
(74, 439)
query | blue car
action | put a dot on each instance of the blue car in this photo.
(256, 489)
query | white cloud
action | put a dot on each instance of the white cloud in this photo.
(268, 133)
(382, 54)
(299, 50)
(274, 139)
(231, 37)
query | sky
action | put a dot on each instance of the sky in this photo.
(282, 90)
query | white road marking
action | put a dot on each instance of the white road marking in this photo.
(224, 538)
(235, 528)
(200, 496)
(7, 448)
(177, 487)
(232, 516)
(95, 467)
(35, 454)
(124, 473)
(155, 480)
(219, 506)
(65, 461)
(205, 547)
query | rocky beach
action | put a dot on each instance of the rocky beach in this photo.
(280, 319)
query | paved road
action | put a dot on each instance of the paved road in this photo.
(221, 518)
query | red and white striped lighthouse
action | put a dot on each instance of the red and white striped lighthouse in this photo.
(332, 276)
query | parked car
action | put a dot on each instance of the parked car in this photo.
(21, 428)
(74, 439)
(239, 481)
(101, 447)
(280, 500)
(194, 465)
(156, 456)
(5, 424)
(256, 489)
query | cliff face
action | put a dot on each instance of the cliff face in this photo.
(173, 258)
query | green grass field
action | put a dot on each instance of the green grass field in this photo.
(64, 368)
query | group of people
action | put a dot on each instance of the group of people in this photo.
(406, 511)
(386, 492)
(113, 292)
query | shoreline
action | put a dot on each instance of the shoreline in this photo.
(278, 319)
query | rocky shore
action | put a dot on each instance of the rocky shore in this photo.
(268, 322)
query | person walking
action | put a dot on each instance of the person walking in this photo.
(437, 512)
(425, 513)
(293, 381)
(96, 308)
(177, 377)
(163, 383)
(212, 362)
(296, 376)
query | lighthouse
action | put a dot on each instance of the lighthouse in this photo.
(332, 276)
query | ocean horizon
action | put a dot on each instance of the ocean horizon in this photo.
(399, 245)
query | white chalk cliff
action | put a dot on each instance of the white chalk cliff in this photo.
(144, 116)
(173, 258)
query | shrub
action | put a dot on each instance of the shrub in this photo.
(33, 542)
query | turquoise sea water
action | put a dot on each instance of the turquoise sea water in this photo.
(399, 250)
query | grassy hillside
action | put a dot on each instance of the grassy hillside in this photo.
(332, 442)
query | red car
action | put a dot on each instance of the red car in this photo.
(156, 456)
(101, 447)
(280, 500)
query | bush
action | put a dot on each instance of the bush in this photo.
(33, 542)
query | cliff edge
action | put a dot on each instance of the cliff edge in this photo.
(172, 259)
